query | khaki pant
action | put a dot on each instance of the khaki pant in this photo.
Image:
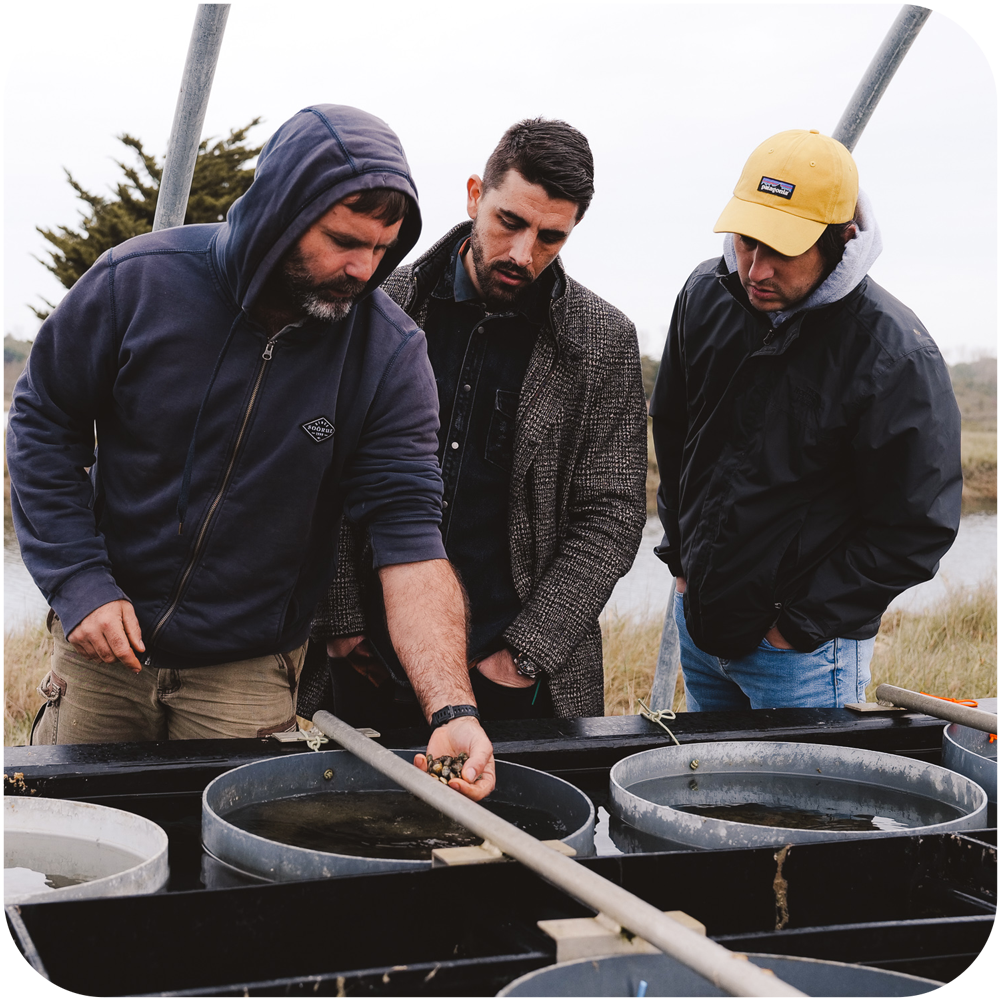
(88, 702)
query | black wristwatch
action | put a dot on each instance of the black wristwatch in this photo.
(525, 667)
(449, 712)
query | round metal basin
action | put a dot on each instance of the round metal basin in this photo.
(332, 771)
(55, 849)
(623, 975)
(970, 752)
(794, 792)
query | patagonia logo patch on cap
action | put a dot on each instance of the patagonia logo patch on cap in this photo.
(780, 188)
(319, 428)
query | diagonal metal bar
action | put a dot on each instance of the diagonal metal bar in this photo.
(880, 71)
(717, 964)
(189, 115)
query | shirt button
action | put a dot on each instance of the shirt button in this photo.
(454, 445)
(466, 388)
(480, 330)
(444, 504)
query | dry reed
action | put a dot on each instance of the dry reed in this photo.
(948, 649)
(25, 661)
(630, 649)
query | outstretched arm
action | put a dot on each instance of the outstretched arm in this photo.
(425, 612)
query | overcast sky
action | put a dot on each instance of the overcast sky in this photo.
(673, 97)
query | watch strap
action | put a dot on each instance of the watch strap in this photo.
(449, 712)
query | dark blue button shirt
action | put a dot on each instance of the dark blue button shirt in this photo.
(480, 360)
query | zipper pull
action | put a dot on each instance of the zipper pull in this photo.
(269, 349)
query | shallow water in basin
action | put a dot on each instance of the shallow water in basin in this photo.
(35, 862)
(376, 824)
(795, 801)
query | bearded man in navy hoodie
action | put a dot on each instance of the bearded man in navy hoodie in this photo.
(249, 384)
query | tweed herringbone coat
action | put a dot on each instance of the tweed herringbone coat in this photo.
(577, 489)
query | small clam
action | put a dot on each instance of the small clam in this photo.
(444, 768)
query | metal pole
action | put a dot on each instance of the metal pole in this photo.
(891, 53)
(717, 964)
(668, 661)
(189, 115)
(974, 718)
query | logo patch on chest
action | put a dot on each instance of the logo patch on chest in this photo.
(319, 428)
(781, 188)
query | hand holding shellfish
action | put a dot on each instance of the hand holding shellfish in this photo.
(465, 756)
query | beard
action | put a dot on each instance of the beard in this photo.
(496, 294)
(329, 301)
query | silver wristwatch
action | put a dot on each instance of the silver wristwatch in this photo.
(525, 667)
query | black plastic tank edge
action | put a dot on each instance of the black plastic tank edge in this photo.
(919, 905)
(923, 906)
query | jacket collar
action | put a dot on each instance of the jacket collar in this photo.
(431, 265)
(777, 338)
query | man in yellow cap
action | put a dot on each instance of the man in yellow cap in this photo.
(807, 437)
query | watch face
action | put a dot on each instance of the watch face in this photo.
(526, 668)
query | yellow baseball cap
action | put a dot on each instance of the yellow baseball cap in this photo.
(793, 186)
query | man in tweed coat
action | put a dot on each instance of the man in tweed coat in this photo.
(542, 446)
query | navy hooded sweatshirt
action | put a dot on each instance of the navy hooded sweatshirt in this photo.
(294, 431)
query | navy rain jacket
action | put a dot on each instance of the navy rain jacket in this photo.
(294, 431)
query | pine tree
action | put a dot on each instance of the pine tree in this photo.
(220, 177)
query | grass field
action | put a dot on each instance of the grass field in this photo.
(979, 470)
(949, 650)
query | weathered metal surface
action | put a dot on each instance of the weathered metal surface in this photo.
(839, 773)
(880, 72)
(189, 114)
(303, 774)
(74, 838)
(941, 708)
(970, 752)
(623, 976)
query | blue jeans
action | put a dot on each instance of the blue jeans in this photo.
(831, 676)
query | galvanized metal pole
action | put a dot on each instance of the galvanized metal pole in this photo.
(880, 71)
(189, 115)
(717, 964)
(917, 701)
(668, 661)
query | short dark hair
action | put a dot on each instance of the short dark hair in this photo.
(387, 205)
(831, 245)
(547, 152)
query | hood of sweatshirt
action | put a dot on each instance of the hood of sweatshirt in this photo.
(319, 156)
(859, 255)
